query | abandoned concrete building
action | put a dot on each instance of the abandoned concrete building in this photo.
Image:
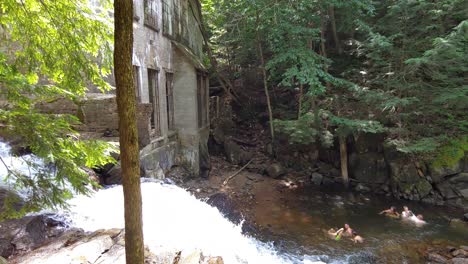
(171, 89)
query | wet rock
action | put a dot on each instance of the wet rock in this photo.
(362, 188)
(464, 248)
(235, 154)
(191, 257)
(447, 190)
(436, 258)
(75, 246)
(459, 261)
(460, 253)
(275, 170)
(423, 187)
(464, 193)
(317, 178)
(114, 175)
(439, 173)
(27, 233)
(462, 177)
(225, 206)
(214, 260)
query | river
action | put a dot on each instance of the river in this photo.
(292, 224)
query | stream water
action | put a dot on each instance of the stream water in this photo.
(292, 224)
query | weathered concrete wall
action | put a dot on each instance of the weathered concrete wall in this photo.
(97, 112)
(157, 159)
(186, 114)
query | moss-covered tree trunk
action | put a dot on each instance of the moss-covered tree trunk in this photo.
(129, 153)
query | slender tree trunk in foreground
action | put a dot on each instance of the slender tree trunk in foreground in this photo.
(344, 161)
(129, 152)
(265, 86)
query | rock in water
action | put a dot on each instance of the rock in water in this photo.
(362, 188)
(275, 170)
(25, 234)
(460, 261)
(436, 258)
(317, 178)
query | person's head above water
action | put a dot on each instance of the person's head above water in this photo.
(393, 208)
(405, 208)
(420, 217)
(346, 226)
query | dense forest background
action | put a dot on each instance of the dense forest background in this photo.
(330, 69)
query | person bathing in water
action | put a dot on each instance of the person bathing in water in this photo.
(335, 234)
(406, 212)
(357, 238)
(390, 212)
(348, 231)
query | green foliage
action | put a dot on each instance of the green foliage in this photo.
(52, 49)
(408, 64)
(299, 131)
(451, 153)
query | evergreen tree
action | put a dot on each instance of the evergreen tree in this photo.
(49, 50)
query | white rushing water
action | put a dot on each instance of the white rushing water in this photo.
(173, 219)
(15, 164)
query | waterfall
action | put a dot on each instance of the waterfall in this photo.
(173, 219)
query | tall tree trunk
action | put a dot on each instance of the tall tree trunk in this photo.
(265, 84)
(129, 153)
(331, 12)
(323, 50)
(301, 95)
(344, 161)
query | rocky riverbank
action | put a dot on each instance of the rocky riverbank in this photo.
(32, 240)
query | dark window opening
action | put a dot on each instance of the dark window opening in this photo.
(151, 14)
(153, 91)
(202, 100)
(170, 100)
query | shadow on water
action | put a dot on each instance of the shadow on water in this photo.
(297, 223)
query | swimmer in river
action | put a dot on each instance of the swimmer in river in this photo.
(348, 231)
(357, 238)
(390, 212)
(335, 234)
(406, 212)
(418, 220)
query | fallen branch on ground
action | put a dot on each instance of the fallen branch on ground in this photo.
(237, 172)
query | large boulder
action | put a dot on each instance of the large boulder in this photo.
(447, 190)
(234, 153)
(423, 187)
(459, 178)
(439, 173)
(27, 233)
(369, 167)
(317, 178)
(275, 170)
